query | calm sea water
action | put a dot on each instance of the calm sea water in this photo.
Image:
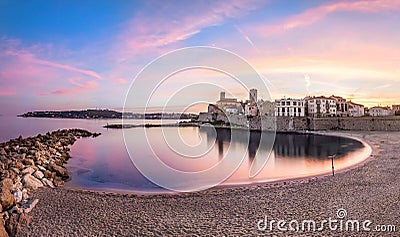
(104, 162)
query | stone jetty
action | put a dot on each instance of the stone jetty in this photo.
(27, 164)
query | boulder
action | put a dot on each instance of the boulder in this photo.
(19, 165)
(28, 170)
(15, 223)
(31, 182)
(18, 195)
(47, 183)
(49, 175)
(30, 205)
(60, 170)
(3, 232)
(41, 168)
(7, 184)
(16, 209)
(58, 182)
(38, 174)
(18, 184)
(6, 197)
(25, 195)
(28, 162)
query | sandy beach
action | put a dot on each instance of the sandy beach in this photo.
(370, 191)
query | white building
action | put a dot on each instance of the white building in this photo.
(355, 110)
(380, 111)
(321, 106)
(290, 107)
(342, 106)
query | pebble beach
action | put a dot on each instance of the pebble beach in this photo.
(370, 191)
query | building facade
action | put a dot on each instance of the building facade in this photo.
(288, 107)
(251, 109)
(396, 109)
(321, 106)
(229, 105)
(378, 111)
(266, 108)
(355, 110)
(342, 106)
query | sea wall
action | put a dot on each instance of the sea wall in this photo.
(389, 123)
(292, 123)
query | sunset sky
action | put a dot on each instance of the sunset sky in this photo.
(85, 54)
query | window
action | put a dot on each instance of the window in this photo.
(288, 103)
(294, 103)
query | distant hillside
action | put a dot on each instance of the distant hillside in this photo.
(82, 114)
(105, 114)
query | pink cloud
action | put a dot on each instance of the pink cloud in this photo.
(78, 87)
(22, 71)
(144, 32)
(120, 81)
(7, 92)
(315, 14)
(28, 57)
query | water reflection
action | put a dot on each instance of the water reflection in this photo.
(268, 156)
(286, 144)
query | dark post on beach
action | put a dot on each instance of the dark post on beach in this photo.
(333, 167)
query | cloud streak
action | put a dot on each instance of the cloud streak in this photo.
(145, 32)
(7, 92)
(28, 57)
(315, 14)
(78, 87)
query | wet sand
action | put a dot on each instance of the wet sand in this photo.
(370, 191)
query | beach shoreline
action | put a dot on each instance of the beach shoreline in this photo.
(369, 191)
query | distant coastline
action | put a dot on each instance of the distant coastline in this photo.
(150, 125)
(105, 114)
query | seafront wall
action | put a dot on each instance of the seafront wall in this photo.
(391, 123)
(287, 124)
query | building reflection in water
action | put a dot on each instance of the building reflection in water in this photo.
(311, 146)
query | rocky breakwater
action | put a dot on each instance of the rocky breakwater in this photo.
(28, 164)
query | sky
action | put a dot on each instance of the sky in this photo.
(57, 55)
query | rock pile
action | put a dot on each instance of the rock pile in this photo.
(28, 164)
